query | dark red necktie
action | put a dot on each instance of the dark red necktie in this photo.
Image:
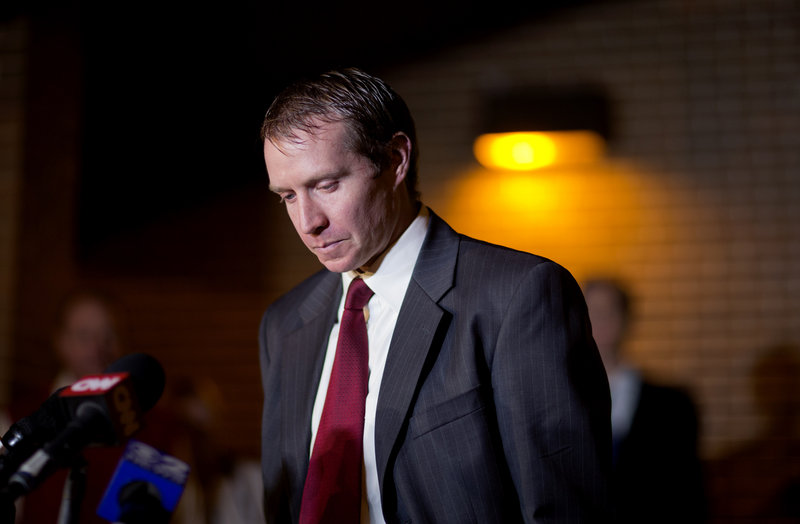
(332, 492)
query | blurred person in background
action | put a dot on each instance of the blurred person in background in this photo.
(657, 473)
(86, 340)
(759, 481)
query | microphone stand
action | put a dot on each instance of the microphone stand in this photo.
(72, 496)
(74, 491)
(8, 511)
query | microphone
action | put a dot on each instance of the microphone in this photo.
(100, 409)
(30, 433)
(145, 487)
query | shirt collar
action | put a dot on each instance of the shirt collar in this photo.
(391, 279)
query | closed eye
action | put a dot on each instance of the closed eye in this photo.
(328, 186)
(286, 197)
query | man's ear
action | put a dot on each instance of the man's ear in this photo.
(400, 155)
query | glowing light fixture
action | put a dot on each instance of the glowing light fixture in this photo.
(524, 151)
(532, 128)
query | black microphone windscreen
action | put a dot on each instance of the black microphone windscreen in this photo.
(147, 376)
(40, 426)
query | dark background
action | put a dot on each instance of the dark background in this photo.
(173, 93)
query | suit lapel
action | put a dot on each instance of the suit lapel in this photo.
(303, 358)
(419, 319)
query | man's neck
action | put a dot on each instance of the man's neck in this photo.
(402, 225)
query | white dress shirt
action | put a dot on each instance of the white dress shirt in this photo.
(389, 282)
(625, 384)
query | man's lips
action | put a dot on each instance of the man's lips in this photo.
(327, 246)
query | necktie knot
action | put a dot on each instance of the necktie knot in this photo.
(358, 294)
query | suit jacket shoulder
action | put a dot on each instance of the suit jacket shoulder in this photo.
(473, 263)
(303, 298)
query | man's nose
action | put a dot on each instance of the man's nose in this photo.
(311, 218)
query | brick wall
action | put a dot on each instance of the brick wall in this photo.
(49, 154)
(13, 46)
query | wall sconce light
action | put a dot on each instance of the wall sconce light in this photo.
(533, 128)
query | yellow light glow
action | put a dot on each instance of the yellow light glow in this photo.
(522, 153)
(586, 216)
(528, 151)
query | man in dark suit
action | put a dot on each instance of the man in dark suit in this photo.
(486, 399)
(657, 475)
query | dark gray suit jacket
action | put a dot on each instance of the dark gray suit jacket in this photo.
(494, 405)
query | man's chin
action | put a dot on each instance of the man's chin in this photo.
(338, 265)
